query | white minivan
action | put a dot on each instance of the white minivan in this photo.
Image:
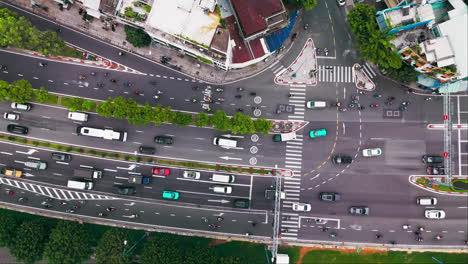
(80, 184)
(223, 178)
(426, 200)
(225, 142)
(222, 189)
(77, 116)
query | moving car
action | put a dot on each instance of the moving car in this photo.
(11, 172)
(170, 195)
(146, 150)
(301, 207)
(191, 175)
(316, 104)
(434, 214)
(222, 189)
(124, 190)
(432, 159)
(329, 196)
(61, 156)
(371, 152)
(435, 170)
(160, 171)
(359, 210)
(284, 137)
(342, 159)
(16, 129)
(24, 107)
(36, 164)
(241, 203)
(163, 140)
(318, 133)
(11, 116)
(78, 116)
(426, 200)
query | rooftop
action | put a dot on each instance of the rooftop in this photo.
(438, 50)
(252, 14)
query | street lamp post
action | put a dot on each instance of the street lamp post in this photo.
(125, 252)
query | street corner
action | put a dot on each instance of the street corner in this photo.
(283, 126)
(303, 70)
(361, 79)
(458, 187)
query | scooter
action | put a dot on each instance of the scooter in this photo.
(213, 226)
(306, 26)
(374, 105)
(136, 92)
(156, 97)
(110, 209)
(220, 99)
(219, 90)
(101, 214)
(362, 92)
(240, 89)
(325, 50)
(121, 53)
(69, 211)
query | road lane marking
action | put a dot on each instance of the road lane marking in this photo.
(110, 170)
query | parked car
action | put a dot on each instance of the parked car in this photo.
(318, 133)
(61, 156)
(434, 214)
(359, 210)
(371, 152)
(329, 196)
(301, 207)
(342, 159)
(294, 37)
(191, 175)
(171, 195)
(432, 159)
(241, 203)
(163, 140)
(11, 116)
(147, 150)
(23, 107)
(16, 129)
(435, 170)
(124, 190)
(160, 171)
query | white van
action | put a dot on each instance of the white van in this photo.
(223, 178)
(77, 116)
(426, 200)
(225, 142)
(222, 189)
(316, 104)
(24, 107)
(80, 184)
(36, 164)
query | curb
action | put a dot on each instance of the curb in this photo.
(359, 72)
(412, 179)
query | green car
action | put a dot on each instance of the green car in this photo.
(318, 133)
(170, 195)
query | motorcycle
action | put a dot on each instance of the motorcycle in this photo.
(405, 103)
(362, 92)
(121, 53)
(333, 235)
(194, 100)
(69, 211)
(306, 26)
(390, 98)
(240, 89)
(377, 96)
(113, 80)
(343, 109)
(101, 214)
(219, 90)
(156, 97)
(238, 96)
(374, 105)
(93, 73)
(213, 226)
(22, 199)
(82, 77)
(111, 209)
(325, 50)
(438, 237)
(136, 92)
(63, 203)
(159, 92)
(42, 64)
(406, 227)
(220, 99)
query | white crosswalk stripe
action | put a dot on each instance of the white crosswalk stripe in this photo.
(341, 74)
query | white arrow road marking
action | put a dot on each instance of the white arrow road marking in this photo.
(130, 204)
(219, 201)
(229, 158)
(131, 167)
(28, 175)
(230, 136)
(30, 151)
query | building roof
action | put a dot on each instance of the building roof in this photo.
(252, 13)
(456, 31)
(220, 40)
(438, 50)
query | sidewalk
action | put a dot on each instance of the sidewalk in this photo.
(194, 68)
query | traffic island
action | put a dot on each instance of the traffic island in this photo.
(361, 80)
(437, 184)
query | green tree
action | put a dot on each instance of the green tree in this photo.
(162, 250)
(88, 105)
(242, 124)
(111, 246)
(4, 86)
(42, 95)
(230, 260)
(165, 115)
(69, 243)
(262, 125)
(105, 108)
(121, 107)
(74, 103)
(182, 119)
(20, 91)
(30, 241)
(202, 119)
(361, 20)
(137, 37)
(8, 229)
(221, 121)
(201, 255)
(307, 4)
(404, 74)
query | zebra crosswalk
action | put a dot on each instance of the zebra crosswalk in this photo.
(56, 193)
(340, 74)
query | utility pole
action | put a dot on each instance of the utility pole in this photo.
(276, 216)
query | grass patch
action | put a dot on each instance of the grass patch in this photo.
(51, 98)
(212, 167)
(204, 60)
(392, 257)
(248, 252)
(426, 182)
(73, 53)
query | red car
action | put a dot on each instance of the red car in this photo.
(160, 171)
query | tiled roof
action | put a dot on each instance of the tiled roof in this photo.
(252, 13)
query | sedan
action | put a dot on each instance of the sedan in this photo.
(435, 170)
(124, 190)
(329, 196)
(170, 195)
(434, 214)
(301, 207)
(241, 203)
(359, 210)
(11, 116)
(61, 156)
(163, 140)
(16, 129)
(192, 175)
(372, 152)
(318, 133)
(160, 171)
(342, 159)
(431, 159)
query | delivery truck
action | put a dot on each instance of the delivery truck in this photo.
(87, 173)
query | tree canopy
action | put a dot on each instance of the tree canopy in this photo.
(307, 4)
(30, 240)
(137, 37)
(111, 246)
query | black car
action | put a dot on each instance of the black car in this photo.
(61, 156)
(163, 140)
(124, 190)
(16, 129)
(432, 159)
(342, 159)
(146, 150)
(329, 196)
(241, 203)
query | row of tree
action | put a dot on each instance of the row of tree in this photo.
(66, 242)
(374, 45)
(21, 91)
(16, 31)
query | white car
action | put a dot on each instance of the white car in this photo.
(434, 214)
(192, 175)
(372, 152)
(11, 116)
(301, 207)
